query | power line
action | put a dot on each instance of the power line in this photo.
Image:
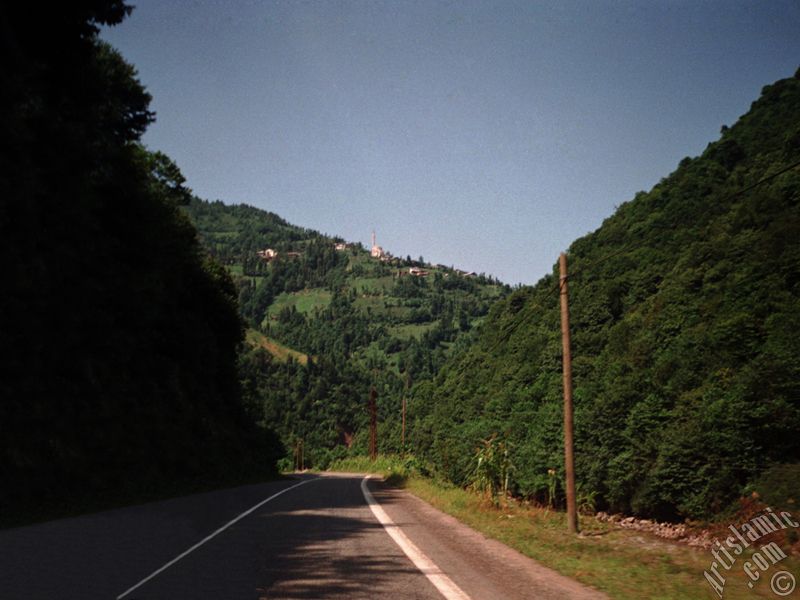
(532, 309)
(721, 200)
(594, 263)
(764, 180)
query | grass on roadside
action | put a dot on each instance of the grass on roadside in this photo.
(623, 563)
(393, 468)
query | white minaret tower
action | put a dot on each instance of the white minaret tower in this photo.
(376, 251)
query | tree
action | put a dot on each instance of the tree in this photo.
(122, 335)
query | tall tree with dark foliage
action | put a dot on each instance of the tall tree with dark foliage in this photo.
(119, 336)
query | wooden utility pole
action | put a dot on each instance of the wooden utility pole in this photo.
(403, 432)
(569, 455)
(405, 395)
(299, 461)
(373, 424)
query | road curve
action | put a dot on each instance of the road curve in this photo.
(277, 540)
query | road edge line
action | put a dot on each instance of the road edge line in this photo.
(446, 586)
(209, 537)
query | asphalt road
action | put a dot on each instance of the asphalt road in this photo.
(316, 540)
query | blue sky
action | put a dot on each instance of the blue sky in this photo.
(485, 135)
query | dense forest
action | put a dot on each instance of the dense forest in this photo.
(150, 337)
(119, 335)
(326, 325)
(685, 308)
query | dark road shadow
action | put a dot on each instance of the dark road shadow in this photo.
(322, 543)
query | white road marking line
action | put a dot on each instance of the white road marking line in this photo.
(443, 583)
(209, 537)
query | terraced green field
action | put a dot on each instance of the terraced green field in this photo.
(304, 301)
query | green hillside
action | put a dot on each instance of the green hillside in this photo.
(362, 320)
(257, 340)
(685, 308)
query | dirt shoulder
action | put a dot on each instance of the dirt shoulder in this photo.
(482, 567)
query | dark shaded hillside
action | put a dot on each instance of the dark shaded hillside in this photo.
(119, 336)
(685, 308)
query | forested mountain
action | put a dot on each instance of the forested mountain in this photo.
(685, 309)
(126, 365)
(327, 324)
(119, 336)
